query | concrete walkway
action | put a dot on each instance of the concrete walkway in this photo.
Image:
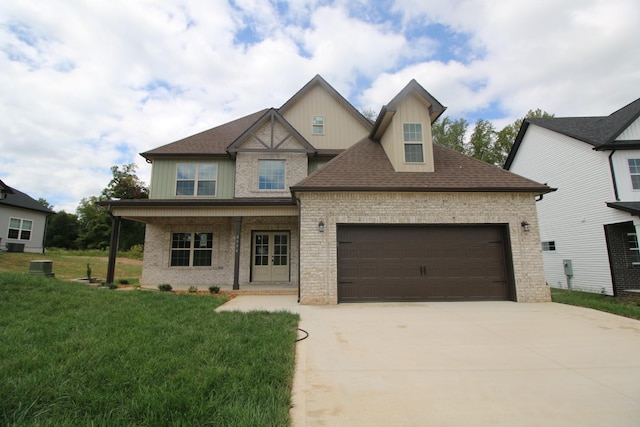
(461, 364)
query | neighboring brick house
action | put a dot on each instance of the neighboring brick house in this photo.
(23, 221)
(589, 226)
(314, 195)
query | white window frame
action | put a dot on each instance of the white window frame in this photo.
(634, 172)
(317, 125)
(205, 245)
(20, 229)
(634, 248)
(197, 179)
(284, 174)
(411, 142)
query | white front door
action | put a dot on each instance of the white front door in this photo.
(270, 256)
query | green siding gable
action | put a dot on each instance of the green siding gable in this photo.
(163, 178)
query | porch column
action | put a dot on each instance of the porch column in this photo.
(236, 265)
(113, 248)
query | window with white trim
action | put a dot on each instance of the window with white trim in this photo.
(412, 138)
(191, 249)
(20, 229)
(196, 179)
(634, 171)
(634, 249)
(271, 174)
(549, 245)
(317, 127)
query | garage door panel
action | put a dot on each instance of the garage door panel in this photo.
(427, 263)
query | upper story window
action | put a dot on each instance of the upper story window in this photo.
(412, 138)
(20, 229)
(318, 125)
(271, 174)
(634, 170)
(196, 179)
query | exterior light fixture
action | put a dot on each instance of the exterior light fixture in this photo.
(525, 225)
(321, 227)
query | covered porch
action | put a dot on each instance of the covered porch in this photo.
(236, 245)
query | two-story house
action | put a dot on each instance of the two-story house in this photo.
(23, 221)
(589, 226)
(316, 196)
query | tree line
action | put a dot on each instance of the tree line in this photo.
(90, 226)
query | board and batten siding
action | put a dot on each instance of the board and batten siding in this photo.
(163, 178)
(574, 215)
(341, 128)
(410, 110)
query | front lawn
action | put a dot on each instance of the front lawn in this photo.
(622, 306)
(75, 355)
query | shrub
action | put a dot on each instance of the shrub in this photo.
(193, 289)
(214, 289)
(165, 287)
(123, 281)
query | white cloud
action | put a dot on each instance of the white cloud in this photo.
(88, 85)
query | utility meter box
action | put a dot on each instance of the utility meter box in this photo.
(568, 267)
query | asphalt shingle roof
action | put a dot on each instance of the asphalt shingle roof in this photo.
(365, 167)
(593, 130)
(18, 199)
(209, 142)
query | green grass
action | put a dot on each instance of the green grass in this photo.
(69, 265)
(622, 306)
(75, 355)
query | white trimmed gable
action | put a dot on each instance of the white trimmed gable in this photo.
(631, 133)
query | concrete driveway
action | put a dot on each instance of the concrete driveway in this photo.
(461, 364)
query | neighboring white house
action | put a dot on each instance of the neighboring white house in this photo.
(588, 227)
(23, 221)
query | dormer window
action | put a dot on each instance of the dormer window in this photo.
(318, 125)
(412, 137)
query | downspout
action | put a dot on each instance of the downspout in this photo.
(613, 176)
(299, 242)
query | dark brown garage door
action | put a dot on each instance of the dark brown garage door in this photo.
(426, 263)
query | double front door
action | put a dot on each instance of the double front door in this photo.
(270, 256)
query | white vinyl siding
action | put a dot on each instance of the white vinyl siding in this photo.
(575, 214)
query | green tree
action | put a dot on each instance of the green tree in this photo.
(44, 203)
(125, 184)
(450, 133)
(62, 231)
(94, 224)
(482, 142)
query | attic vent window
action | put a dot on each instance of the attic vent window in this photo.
(412, 137)
(318, 125)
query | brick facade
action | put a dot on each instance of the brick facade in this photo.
(157, 255)
(624, 273)
(318, 275)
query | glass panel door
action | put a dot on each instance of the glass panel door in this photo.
(270, 257)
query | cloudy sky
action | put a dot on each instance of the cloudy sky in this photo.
(88, 84)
